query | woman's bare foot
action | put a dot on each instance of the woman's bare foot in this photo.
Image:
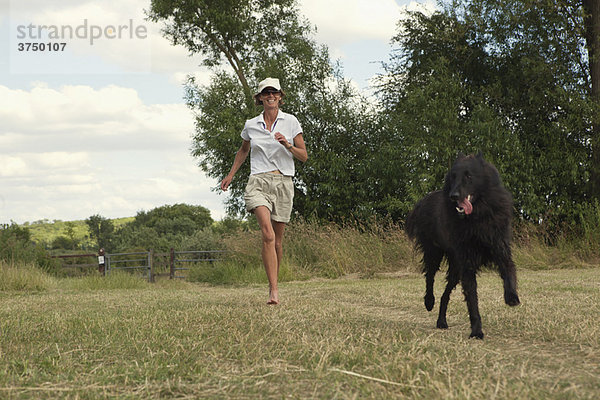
(273, 297)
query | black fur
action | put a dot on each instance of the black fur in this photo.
(467, 241)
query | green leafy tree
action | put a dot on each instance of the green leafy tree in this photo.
(70, 230)
(174, 219)
(509, 78)
(63, 242)
(591, 20)
(244, 41)
(163, 227)
(101, 230)
(239, 32)
(68, 241)
(559, 40)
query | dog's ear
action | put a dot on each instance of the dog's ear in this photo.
(460, 155)
(479, 155)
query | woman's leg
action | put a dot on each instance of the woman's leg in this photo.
(279, 229)
(269, 253)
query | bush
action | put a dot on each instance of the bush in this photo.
(64, 243)
(16, 248)
(179, 226)
(202, 240)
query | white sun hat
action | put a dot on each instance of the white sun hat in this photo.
(269, 82)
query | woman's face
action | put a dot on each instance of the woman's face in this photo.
(270, 98)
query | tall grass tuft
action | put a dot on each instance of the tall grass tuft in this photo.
(314, 250)
(332, 250)
(589, 217)
(24, 277)
(574, 245)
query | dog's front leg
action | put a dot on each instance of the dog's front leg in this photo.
(432, 257)
(452, 282)
(469, 285)
(508, 273)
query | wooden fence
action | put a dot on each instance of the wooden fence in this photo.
(153, 265)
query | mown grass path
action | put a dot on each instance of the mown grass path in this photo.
(345, 338)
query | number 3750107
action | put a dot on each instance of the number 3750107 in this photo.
(50, 46)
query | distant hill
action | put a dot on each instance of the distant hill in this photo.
(45, 231)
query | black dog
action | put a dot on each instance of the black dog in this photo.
(469, 223)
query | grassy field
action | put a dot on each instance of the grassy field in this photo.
(346, 338)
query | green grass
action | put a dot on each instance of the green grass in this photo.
(344, 338)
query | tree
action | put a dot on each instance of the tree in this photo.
(256, 39)
(591, 21)
(68, 241)
(101, 230)
(506, 77)
(238, 31)
(70, 231)
(176, 219)
(63, 242)
(566, 34)
(163, 227)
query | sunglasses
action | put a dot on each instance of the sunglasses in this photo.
(268, 92)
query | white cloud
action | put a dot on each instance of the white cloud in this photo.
(61, 160)
(81, 117)
(32, 165)
(341, 21)
(11, 166)
(359, 32)
(75, 151)
(108, 37)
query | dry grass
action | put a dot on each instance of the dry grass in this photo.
(332, 251)
(24, 278)
(345, 338)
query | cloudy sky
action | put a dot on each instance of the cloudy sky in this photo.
(100, 127)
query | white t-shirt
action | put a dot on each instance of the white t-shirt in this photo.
(266, 153)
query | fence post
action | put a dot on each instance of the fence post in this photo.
(172, 264)
(150, 257)
(101, 262)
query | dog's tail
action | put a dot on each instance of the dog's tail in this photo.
(410, 226)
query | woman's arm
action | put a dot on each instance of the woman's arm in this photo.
(240, 157)
(299, 148)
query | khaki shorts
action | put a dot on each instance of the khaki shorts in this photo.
(274, 191)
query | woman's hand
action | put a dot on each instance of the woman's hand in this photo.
(281, 139)
(240, 156)
(226, 182)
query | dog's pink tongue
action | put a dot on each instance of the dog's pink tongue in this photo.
(466, 205)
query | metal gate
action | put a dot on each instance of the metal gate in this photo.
(150, 264)
(130, 261)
